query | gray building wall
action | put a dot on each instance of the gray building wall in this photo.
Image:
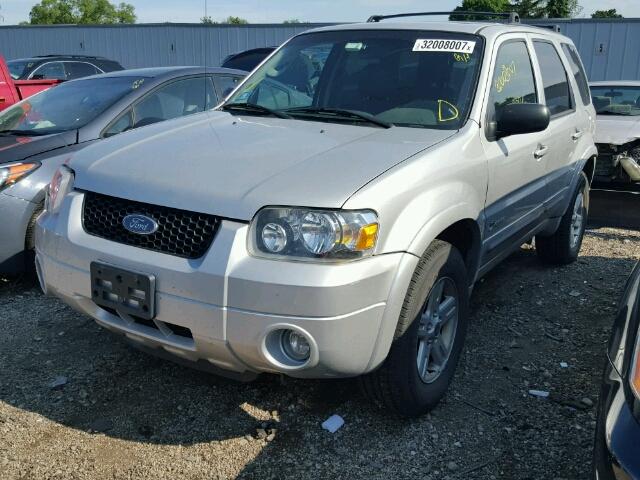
(144, 45)
(610, 48)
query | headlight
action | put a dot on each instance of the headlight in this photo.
(61, 184)
(309, 234)
(13, 172)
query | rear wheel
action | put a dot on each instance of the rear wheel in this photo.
(563, 246)
(429, 336)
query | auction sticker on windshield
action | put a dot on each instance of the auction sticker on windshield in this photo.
(442, 45)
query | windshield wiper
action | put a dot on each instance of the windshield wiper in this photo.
(339, 113)
(252, 108)
(24, 133)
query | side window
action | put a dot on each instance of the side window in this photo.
(79, 69)
(226, 84)
(578, 72)
(513, 80)
(177, 99)
(554, 78)
(125, 122)
(50, 71)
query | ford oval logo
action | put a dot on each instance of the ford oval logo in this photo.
(140, 224)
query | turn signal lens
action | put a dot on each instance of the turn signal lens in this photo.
(61, 184)
(635, 370)
(367, 237)
(10, 174)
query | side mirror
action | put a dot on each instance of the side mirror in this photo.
(519, 118)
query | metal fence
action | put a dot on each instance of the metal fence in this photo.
(610, 48)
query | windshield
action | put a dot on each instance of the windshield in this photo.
(17, 69)
(405, 78)
(66, 107)
(615, 100)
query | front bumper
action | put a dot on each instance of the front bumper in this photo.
(15, 214)
(231, 301)
(617, 443)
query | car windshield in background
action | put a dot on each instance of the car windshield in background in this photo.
(615, 100)
(17, 69)
(66, 107)
(404, 78)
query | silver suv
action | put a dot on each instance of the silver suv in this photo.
(331, 217)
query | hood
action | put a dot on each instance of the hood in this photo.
(232, 166)
(617, 129)
(16, 148)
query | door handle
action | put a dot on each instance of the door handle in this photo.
(577, 134)
(540, 152)
(2, 99)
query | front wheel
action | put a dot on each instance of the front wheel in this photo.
(563, 246)
(429, 336)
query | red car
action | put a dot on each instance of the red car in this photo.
(12, 91)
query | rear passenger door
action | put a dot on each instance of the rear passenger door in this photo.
(561, 136)
(517, 189)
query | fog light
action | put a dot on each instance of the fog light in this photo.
(295, 345)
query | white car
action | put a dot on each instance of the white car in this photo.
(617, 105)
(332, 216)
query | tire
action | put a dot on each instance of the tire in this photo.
(397, 384)
(563, 246)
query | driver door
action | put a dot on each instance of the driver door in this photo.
(517, 164)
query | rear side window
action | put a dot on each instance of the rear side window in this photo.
(176, 99)
(554, 78)
(226, 84)
(79, 70)
(578, 72)
(513, 80)
(50, 71)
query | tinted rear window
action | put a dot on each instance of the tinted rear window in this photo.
(246, 62)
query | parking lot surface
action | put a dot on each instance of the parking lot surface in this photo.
(75, 402)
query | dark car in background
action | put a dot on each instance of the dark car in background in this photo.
(247, 60)
(40, 133)
(60, 67)
(617, 443)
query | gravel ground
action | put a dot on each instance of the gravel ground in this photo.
(122, 414)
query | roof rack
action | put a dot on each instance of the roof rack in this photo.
(512, 17)
(63, 55)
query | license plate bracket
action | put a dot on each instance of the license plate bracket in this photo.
(129, 292)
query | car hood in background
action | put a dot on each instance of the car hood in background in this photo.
(617, 129)
(15, 148)
(232, 166)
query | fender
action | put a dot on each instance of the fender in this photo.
(440, 222)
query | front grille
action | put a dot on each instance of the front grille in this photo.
(180, 232)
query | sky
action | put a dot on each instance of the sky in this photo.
(275, 11)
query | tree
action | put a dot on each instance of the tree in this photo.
(235, 20)
(612, 13)
(562, 8)
(480, 6)
(207, 20)
(291, 21)
(49, 12)
(528, 8)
